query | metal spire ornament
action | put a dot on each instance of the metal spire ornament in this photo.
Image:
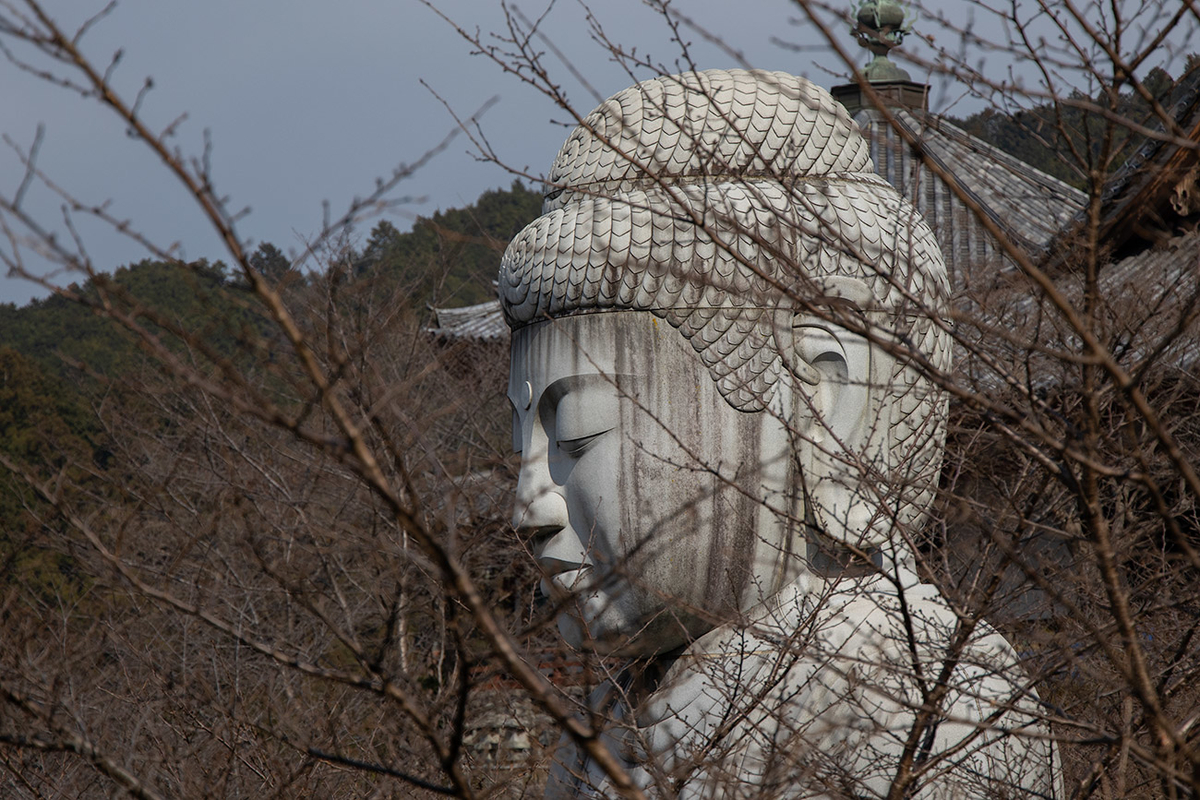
(882, 26)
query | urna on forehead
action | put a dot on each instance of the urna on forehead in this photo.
(713, 199)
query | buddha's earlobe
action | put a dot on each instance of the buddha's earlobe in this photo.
(838, 424)
(837, 403)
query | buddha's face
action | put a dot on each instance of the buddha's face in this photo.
(654, 509)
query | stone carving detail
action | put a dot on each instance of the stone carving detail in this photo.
(732, 496)
(1185, 200)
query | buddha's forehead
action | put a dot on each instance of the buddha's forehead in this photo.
(555, 348)
(617, 343)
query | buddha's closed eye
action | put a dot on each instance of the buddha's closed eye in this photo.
(578, 446)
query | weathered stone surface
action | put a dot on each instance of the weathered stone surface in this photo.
(726, 333)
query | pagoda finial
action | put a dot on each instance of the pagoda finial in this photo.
(882, 26)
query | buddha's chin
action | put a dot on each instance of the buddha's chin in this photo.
(606, 642)
(600, 630)
(610, 633)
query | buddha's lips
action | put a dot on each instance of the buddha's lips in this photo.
(565, 583)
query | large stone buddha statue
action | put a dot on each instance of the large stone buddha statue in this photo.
(726, 345)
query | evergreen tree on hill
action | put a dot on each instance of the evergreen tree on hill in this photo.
(272, 263)
(56, 331)
(1042, 136)
(44, 421)
(451, 258)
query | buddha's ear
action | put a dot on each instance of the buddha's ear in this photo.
(834, 414)
(839, 360)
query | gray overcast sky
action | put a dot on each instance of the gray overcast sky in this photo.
(310, 101)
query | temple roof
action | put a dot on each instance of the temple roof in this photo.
(482, 322)
(1140, 203)
(1029, 205)
(1145, 306)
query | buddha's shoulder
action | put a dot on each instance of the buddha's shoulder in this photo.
(913, 614)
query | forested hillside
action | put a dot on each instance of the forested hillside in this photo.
(59, 362)
(448, 259)
(165, 398)
(451, 258)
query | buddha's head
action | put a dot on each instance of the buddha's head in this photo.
(723, 323)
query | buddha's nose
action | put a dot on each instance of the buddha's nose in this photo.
(540, 509)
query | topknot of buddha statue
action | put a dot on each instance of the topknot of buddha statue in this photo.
(713, 200)
(708, 126)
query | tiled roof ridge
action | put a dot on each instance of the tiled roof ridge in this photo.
(991, 151)
(482, 321)
(1136, 176)
(1184, 105)
(918, 129)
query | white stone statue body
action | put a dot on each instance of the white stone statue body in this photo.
(724, 325)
